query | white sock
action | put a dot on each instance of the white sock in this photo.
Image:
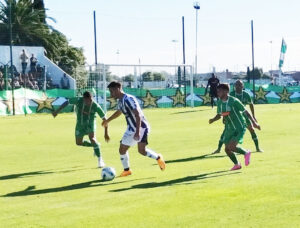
(125, 160)
(151, 154)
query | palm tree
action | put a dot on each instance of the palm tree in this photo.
(28, 27)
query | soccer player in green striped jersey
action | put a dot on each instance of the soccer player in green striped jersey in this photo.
(86, 110)
(234, 114)
(245, 98)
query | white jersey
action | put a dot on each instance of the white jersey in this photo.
(126, 105)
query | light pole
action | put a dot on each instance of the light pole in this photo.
(196, 7)
(175, 41)
(271, 56)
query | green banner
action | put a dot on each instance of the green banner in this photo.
(28, 101)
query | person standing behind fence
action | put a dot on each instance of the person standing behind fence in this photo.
(64, 82)
(24, 61)
(33, 62)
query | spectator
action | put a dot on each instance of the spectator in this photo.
(64, 82)
(33, 63)
(35, 85)
(49, 84)
(17, 83)
(1, 84)
(24, 61)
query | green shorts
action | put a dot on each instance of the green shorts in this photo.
(81, 131)
(233, 135)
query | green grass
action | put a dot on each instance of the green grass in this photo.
(47, 181)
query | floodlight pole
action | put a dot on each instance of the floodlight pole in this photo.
(96, 59)
(252, 42)
(11, 60)
(183, 50)
(196, 7)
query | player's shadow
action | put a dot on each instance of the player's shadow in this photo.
(183, 112)
(21, 175)
(31, 190)
(205, 156)
(37, 173)
(183, 180)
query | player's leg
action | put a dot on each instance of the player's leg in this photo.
(212, 100)
(229, 151)
(79, 134)
(79, 141)
(124, 157)
(96, 146)
(254, 137)
(143, 150)
(221, 142)
(238, 139)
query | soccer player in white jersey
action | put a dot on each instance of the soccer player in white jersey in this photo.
(137, 128)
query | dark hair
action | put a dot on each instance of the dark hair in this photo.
(87, 94)
(223, 86)
(114, 85)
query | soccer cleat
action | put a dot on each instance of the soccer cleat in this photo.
(216, 151)
(247, 158)
(259, 150)
(125, 173)
(236, 167)
(161, 162)
(101, 163)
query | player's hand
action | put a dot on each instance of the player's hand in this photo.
(210, 121)
(107, 138)
(54, 114)
(136, 136)
(256, 125)
(104, 123)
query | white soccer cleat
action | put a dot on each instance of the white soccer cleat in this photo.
(101, 163)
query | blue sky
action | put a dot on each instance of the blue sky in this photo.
(145, 28)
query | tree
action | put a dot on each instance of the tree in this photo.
(158, 77)
(147, 76)
(29, 28)
(257, 73)
(129, 78)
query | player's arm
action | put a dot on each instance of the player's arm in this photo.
(251, 118)
(112, 117)
(216, 118)
(101, 114)
(138, 124)
(55, 113)
(252, 111)
(208, 83)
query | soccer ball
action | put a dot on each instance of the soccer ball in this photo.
(108, 173)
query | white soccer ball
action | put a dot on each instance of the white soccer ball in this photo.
(108, 173)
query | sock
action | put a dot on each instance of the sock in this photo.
(233, 158)
(151, 154)
(220, 145)
(240, 150)
(97, 150)
(87, 144)
(125, 161)
(255, 139)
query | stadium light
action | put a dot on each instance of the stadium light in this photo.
(196, 7)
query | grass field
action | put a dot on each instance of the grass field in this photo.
(47, 181)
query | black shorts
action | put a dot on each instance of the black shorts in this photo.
(213, 93)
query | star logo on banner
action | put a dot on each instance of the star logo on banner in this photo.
(178, 98)
(19, 103)
(206, 99)
(44, 103)
(112, 103)
(149, 100)
(261, 94)
(284, 96)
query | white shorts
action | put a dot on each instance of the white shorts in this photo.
(128, 139)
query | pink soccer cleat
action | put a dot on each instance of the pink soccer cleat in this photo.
(236, 167)
(247, 158)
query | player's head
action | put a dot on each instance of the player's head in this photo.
(87, 97)
(223, 90)
(239, 86)
(213, 75)
(115, 89)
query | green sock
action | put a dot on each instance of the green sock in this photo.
(97, 150)
(240, 150)
(233, 158)
(220, 145)
(255, 139)
(87, 144)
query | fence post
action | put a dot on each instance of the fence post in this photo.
(104, 88)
